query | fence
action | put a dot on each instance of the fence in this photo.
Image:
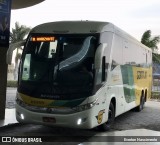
(156, 82)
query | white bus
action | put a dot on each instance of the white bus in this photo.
(81, 74)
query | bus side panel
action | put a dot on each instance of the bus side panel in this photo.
(136, 71)
(114, 81)
(130, 73)
(136, 80)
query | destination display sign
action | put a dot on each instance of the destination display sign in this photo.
(42, 39)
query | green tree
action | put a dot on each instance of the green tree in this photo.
(18, 34)
(152, 43)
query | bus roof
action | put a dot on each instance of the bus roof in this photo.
(74, 27)
(82, 27)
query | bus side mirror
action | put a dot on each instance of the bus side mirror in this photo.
(103, 68)
(12, 47)
(99, 55)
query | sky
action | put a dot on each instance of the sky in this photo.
(133, 16)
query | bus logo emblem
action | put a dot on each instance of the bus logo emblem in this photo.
(100, 116)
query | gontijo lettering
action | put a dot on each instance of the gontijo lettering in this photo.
(37, 102)
(141, 74)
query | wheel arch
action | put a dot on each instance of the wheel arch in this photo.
(113, 101)
(145, 95)
(142, 94)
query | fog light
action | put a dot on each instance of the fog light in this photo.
(22, 116)
(79, 121)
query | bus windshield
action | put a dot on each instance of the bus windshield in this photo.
(58, 65)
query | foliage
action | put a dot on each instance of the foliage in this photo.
(156, 58)
(152, 43)
(149, 41)
(12, 84)
(18, 33)
(155, 95)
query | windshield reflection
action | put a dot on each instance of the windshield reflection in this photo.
(66, 65)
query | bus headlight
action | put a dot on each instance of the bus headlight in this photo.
(79, 121)
(22, 116)
(85, 107)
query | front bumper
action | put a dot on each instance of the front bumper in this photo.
(63, 120)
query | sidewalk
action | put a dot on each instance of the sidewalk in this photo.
(10, 108)
(9, 118)
(10, 97)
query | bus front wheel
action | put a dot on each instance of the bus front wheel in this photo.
(111, 116)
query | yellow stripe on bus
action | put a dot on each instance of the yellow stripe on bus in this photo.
(35, 101)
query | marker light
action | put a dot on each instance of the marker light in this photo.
(22, 116)
(79, 121)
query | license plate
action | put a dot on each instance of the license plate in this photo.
(49, 119)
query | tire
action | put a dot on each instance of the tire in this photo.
(142, 103)
(111, 116)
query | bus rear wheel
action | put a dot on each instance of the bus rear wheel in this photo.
(111, 116)
(142, 102)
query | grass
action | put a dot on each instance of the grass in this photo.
(155, 95)
(12, 84)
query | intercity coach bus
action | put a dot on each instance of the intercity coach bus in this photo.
(81, 74)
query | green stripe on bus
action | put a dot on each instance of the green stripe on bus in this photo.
(128, 82)
(67, 103)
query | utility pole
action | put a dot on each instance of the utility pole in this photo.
(3, 81)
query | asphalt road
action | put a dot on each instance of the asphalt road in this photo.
(148, 118)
